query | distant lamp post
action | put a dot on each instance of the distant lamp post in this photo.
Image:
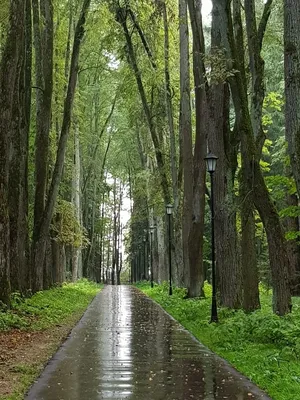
(151, 228)
(169, 210)
(211, 162)
(145, 255)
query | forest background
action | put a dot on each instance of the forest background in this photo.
(103, 100)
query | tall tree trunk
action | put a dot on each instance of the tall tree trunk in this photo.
(115, 233)
(24, 248)
(76, 202)
(254, 39)
(10, 75)
(292, 225)
(121, 17)
(88, 261)
(16, 169)
(43, 43)
(292, 84)
(102, 236)
(254, 178)
(119, 237)
(39, 240)
(223, 144)
(248, 242)
(185, 127)
(108, 254)
(227, 260)
(197, 229)
(169, 108)
(251, 300)
(177, 237)
(292, 109)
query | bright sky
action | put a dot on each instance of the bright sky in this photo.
(206, 9)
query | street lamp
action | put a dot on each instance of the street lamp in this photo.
(211, 162)
(151, 228)
(169, 210)
(145, 254)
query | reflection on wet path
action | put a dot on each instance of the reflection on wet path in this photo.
(127, 347)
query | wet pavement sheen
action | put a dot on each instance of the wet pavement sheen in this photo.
(127, 347)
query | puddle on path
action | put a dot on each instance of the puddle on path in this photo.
(127, 347)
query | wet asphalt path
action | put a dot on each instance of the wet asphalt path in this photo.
(127, 347)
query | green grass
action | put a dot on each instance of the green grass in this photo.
(57, 306)
(47, 308)
(261, 345)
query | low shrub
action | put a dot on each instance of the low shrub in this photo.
(262, 345)
(49, 307)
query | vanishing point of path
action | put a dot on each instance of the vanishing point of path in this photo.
(127, 347)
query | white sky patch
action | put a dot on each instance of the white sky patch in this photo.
(206, 10)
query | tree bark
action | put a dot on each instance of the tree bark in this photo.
(39, 241)
(119, 237)
(169, 108)
(185, 127)
(16, 169)
(10, 76)
(292, 84)
(223, 143)
(256, 63)
(251, 300)
(248, 243)
(177, 218)
(255, 181)
(292, 225)
(24, 248)
(76, 201)
(43, 43)
(195, 240)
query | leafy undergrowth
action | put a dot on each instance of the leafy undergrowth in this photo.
(48, 307)
(261, 345)
(33, 330)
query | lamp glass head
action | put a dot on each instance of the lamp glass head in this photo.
(211, 162)
(169, 209)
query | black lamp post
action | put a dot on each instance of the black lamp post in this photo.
(151, 228)
(169, 209)
(136, 262)
(211, 162)
(145, 255)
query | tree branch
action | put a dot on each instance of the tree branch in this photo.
(142, 36)
(263, 22)
(98, 143)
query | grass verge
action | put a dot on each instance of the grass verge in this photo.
(32, 331)
(261, 345)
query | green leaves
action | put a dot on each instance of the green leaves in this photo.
(66, 227)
